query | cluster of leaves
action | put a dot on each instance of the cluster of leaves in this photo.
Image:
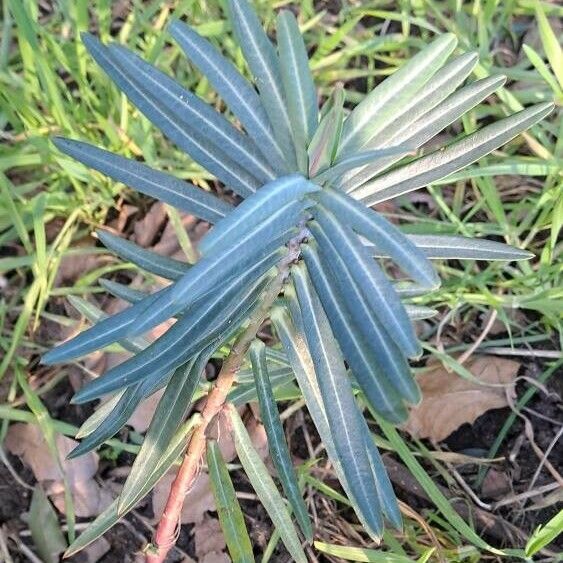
(304, 233)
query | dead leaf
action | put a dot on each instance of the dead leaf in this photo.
(208, 537)
(496, 484)
(147, 228)
(448, 400)
(215, 557)
(27, 442)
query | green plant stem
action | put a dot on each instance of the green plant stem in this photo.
(165, 536)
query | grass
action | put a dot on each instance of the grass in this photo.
(49, 204)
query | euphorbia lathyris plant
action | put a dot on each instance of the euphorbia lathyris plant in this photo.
(303, 248)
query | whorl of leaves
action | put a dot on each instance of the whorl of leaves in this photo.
(305, 176)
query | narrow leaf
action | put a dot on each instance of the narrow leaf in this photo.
(251, 211)
(365, 366)
(276, 438)
(377, 229)
(429, 125)
(435, 91)
(461, 248)
(237, 92)
(380, 106)
(373, 282)
(143, 178)
(109, 517)
(324, 144)
(441, 163)
(298, 84)
(148, 260)
(228, 507)
(265, 488)
(218, 266)
(342, 412)
(388, 354)
(264, 65)
(188, 139)
(125, 292)
(200, 116)
(166, 420)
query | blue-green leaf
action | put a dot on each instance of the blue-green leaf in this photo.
(264, 65)
(109, 517)
(125, 292)
(186, 106)
(237, 92)
(165, 422)
(343, 415)
(148, 260)
(143, 178)
(298, 85)
(389, 356)
(225, 263)
(388, 238)
(186, 137)
(251, 211)
(443, 162)
(371, 279)
(379, 108)
(363, 363)
(180, 342)
(276, 438)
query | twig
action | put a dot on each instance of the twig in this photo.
(166, 532)
(467, 354)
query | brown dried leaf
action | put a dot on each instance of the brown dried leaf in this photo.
(147, 228)
(208, 537)
(27, 442)
(448, 401)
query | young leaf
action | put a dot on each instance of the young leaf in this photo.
(441, 163)
(228, 507)
(143, 178)
(251, 211)
(372, 281)
(148, 260)
(324, 144)
(265, 488)
(237, 92)
(342, 412)
(167, 418)
(264, 65)
(298, 85)
(123, 291)
(377, 229)
(185, 136)
(276, 438)
(379, 107)
(428, 125)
